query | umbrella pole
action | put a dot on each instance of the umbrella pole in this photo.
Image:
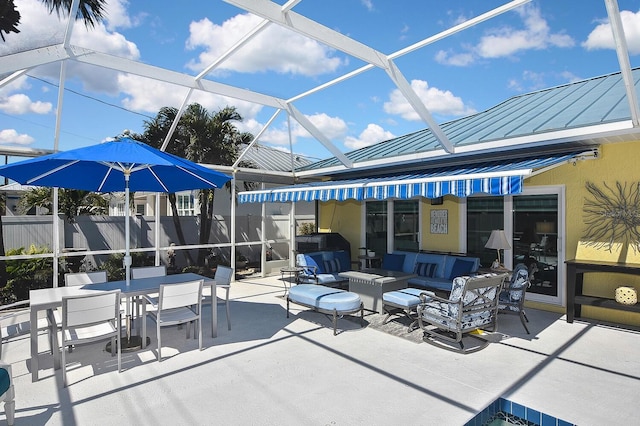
(131, 343)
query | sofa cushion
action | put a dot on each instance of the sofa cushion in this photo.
(460, 268)
(345, 260)
(438, 259)
(315, 260)
(332, 266)
(393, 261)
(426, 269)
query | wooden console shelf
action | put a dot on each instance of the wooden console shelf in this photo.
(575, 275)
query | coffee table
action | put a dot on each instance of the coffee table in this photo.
(371, 284)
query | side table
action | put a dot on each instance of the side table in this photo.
(292, 272)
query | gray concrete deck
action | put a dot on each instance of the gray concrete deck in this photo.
(270, 370)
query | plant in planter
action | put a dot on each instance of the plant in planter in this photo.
(241, 260)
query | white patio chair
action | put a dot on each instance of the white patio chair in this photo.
(75, 279)
(177, 304)
(223, 280)
(148, 271)
(7, 393)
(91, 318)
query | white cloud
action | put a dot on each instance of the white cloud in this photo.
(117, 15)
(22, 104)
(19, 103)
(508, 41)
(368, 4)
(11, 136)
(274, 49)
(144, 94)
(369, 136)
(437, 101)
(331, 127)
(602, 38)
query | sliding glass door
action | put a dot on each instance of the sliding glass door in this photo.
(534, 224)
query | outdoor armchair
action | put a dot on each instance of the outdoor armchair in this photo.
(511, 298)
(471, 306)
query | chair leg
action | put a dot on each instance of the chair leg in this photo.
(159, 342)
(228, 314)
(10, 405)
(64, 367)
(523, 317)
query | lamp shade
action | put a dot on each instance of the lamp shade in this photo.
(545, 227)
(498, 240)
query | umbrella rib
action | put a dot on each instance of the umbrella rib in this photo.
(50, 172)
(158, 179)
(197, 176)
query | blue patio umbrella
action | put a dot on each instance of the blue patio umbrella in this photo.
(116, 166)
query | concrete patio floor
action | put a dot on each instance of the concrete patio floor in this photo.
(274, 370)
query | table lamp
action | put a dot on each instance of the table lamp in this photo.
(498, 241)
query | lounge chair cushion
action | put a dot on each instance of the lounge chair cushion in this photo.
(324, 298)
(5, 381)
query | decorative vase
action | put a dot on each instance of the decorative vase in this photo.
(626, 295)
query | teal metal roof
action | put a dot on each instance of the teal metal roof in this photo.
(594, 101)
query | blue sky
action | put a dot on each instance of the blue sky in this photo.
(542, 44)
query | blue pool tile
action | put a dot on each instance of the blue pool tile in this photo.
(533, 416)
(548, 420)
(505, 405)
(564, 423)
(518, 410)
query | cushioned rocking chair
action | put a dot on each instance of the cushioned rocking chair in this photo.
(471, 306)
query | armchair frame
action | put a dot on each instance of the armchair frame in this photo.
(471, 306)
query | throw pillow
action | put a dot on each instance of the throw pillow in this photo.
(317, 261)
(332, 266)
(426, 269)
(460, 268)
(393, 262)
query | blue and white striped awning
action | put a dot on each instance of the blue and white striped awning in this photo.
(493, 178)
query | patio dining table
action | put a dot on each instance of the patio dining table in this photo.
(51, 298)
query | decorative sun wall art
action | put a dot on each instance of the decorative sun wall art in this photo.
(612, 215)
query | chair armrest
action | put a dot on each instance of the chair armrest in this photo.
(427, 296)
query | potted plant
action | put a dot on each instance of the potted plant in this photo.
(241, 260)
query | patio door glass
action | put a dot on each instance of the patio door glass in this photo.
(535, 240)
(484, 214)
(406, 223)
(376, 226)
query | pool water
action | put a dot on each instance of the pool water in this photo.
(503, 412)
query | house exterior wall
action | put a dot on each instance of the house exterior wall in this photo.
(617, 162)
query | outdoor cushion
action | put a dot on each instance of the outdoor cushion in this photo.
(408, 297)
(317, 261)
(5, 380)
(461, 268)
(393, 262)
(332, 266)
(325, 298)
(345, 260)
(426, 269)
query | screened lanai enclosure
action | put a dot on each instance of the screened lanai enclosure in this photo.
(68, 59)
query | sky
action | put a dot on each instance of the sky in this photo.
(543, 44)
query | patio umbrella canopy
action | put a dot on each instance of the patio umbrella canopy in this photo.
(115, 166)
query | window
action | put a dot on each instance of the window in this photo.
(185, 204)
(140, 209)
(484, 214)
(401, 216)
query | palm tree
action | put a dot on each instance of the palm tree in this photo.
(202, 137)
(71, 202)
(90, 11)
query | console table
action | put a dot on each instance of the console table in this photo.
(575, 275)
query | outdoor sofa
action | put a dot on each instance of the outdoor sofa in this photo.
(434, 271)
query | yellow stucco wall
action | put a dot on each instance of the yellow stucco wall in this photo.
(449, 242)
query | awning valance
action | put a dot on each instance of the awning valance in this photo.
(493, 178)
